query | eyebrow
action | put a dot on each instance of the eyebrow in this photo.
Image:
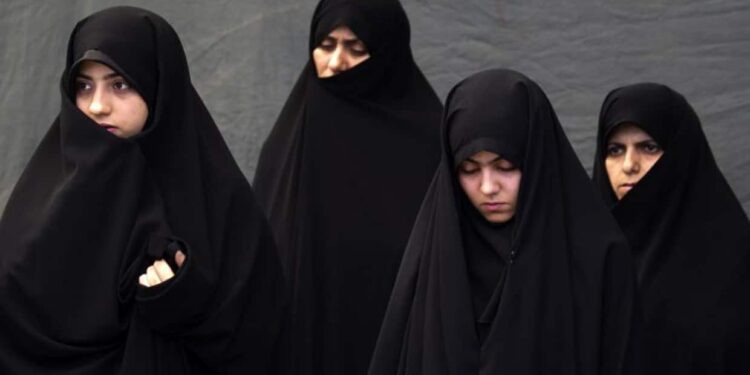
(636, 143)
(108, 76)
(346, 41)
(491, 161)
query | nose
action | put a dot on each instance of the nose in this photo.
(632, 162)
(338, 61)
(488, 184)
(99, 103)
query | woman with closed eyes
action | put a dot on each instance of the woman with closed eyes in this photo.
(341, 177)
(513, 265)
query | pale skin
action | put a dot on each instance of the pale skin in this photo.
(160, 271)
(109, 100)
(631, 153)
(338, 52)
(491, 183)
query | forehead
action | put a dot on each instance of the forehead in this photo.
(94, 69)
(484, 157)
(343, 32)
(628, 132)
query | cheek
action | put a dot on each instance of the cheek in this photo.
(513, 186)
(137, 112)
(469, 186)
(611, 165)
(82, 103)
(465, 183)
(320, 58)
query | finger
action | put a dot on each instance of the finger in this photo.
(153, 277)
(162, 270)
(143, 280)
(179, 258)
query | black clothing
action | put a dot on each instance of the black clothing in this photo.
(561, 301)
(689, 235)
(92, 211)
(341, 177)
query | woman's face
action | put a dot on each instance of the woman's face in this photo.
(491, 183)
(631, 153)
(339, 51)
(105, 97)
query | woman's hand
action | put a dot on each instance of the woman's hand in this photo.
(160, 271)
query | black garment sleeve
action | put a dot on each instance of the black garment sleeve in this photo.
(179, 303)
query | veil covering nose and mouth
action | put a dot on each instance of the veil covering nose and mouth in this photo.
(341, 177)
(92, 211)
(689, 236)
(549, 292)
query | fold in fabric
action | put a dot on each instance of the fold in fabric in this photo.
(341, 177)
(689, 235)
(562, 297)
(92, 211)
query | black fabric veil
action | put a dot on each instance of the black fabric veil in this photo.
(561, 303)
(92, 211)
(689, 235)
(341, 177)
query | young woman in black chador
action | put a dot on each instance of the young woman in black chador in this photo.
(341, 177)
(689, 235)
(513, 265)
(132, 244)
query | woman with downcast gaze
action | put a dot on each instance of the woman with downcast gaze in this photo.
(514, 265)
(341, 177)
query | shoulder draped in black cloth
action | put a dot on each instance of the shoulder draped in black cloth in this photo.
(341, 177)
(689, 235)
(92, 211)
(560, 300)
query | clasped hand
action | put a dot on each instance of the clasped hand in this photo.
(160, 271)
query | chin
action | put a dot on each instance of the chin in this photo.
(498, 218)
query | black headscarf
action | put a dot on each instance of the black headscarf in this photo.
(562, 302)
(92, 211)
(689, 236)
(341, 177)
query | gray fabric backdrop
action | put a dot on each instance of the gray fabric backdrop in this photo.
(245, 55)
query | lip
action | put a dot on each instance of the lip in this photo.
(109, 127)
(627, 185)
(494, 206)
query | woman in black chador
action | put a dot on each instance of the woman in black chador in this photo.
(341, 177)
(689, 235)
(513, 265)
(132, 244)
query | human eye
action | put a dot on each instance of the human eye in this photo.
(468, 168)
(504, 165)
(614, 149)
(120, 85)
(82, 85)
(651, 147)
(359, 49)
(327, 44)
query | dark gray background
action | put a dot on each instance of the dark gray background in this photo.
(245, 55)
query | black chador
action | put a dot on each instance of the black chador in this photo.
(341, 177)
(689, 235)
(548, 292)
(92, 211)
